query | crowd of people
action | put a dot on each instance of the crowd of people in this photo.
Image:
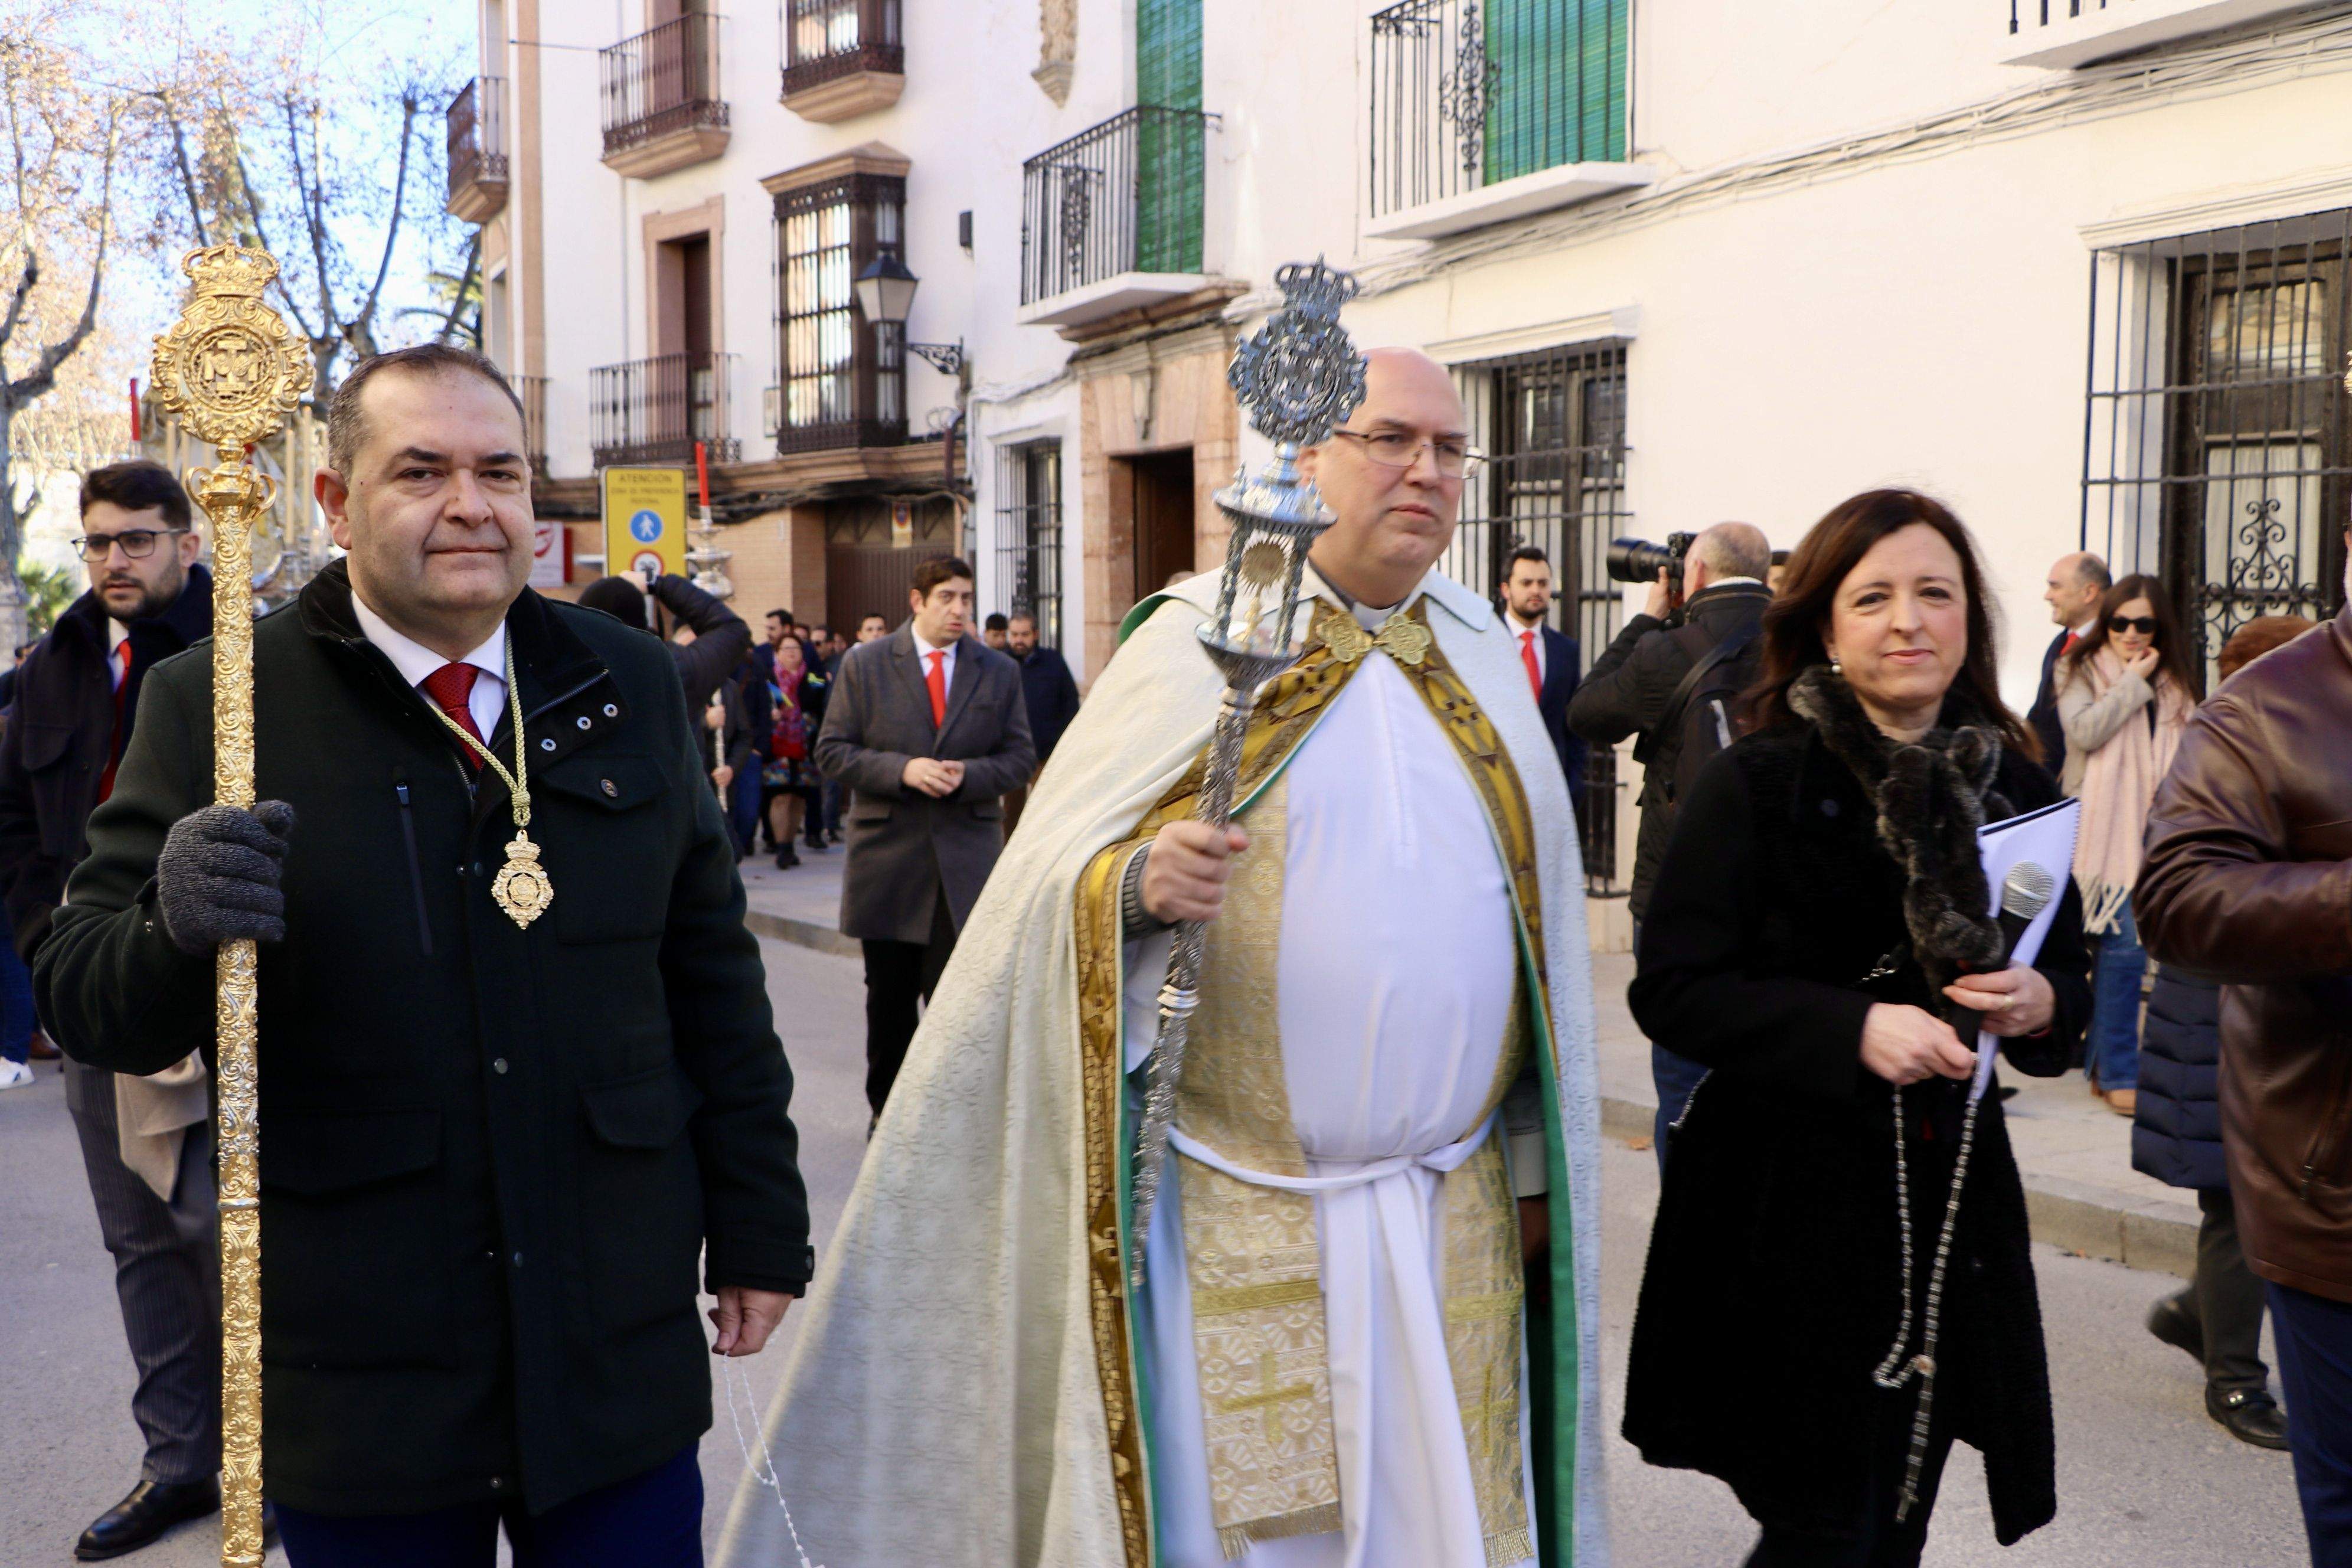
(1353, 1316)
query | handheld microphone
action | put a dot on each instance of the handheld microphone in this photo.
(2025, 893)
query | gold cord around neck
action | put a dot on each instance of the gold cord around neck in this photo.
(523, 889)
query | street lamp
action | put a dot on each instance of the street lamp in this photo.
(886, 292)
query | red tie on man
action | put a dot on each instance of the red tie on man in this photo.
(1528, 657)
(937, 681)
(2069, 646)
(120, 660)
(451, 687)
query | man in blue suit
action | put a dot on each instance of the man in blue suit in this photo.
(1552, 660)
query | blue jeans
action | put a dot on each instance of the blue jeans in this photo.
(1675, 1078)
(743, 805)
(16, 1018)
(2111, 1051)
(2314, 1363)
(652, 1521)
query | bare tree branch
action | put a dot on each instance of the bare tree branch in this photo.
(45, 375)
(448, 327)
(253, 207)
(187, 175)
(25, 282)
(408, 102)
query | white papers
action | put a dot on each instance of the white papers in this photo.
(2046, 838)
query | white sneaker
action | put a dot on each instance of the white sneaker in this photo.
(15, 1075)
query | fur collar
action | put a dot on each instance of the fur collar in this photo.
(1932, 794)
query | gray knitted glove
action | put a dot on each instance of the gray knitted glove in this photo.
(218, 877)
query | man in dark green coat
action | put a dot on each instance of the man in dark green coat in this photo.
(494, 1151)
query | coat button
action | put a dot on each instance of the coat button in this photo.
(496, 1482)
(611, 791)
(1829, 808)
(548, 744)
(583, 721)
(517, 1260)
(498, 1064)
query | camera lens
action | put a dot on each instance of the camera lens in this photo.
(1638, 559)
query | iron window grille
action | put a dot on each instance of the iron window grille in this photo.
(662, 81)
(1122, 196)
(2217, 431)
(1029, 535)
(654, 410)
(532, 390)
(845, 383)
(829, 38)
(1466, 94)
(1553, 424)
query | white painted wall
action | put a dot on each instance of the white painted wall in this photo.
(1915, 314)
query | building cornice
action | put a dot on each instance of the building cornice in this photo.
(2306, 193)
(871, 158)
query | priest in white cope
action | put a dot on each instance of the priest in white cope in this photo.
(1353, 1348)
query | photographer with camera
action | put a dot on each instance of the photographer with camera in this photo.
(1672, 678)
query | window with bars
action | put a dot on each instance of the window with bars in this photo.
(1029, 535)
(824, 39)
(1553, 424)
(844, 383)
(2218, 448)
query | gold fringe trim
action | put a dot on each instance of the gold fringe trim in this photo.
(1475, 1308)
(1508, 1547)
(1234, 1539)
(1214, 1300)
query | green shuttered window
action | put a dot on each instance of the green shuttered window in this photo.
(1559, 84)
(1170, 154)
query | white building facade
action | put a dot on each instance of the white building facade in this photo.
(2079, 267)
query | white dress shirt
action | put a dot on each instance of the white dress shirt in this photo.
(923, 652)
(415, 661)
(117, 665)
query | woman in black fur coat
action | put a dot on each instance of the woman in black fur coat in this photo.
(1819, 914)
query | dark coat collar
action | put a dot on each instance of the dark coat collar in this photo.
(551, 658)
(188, 617)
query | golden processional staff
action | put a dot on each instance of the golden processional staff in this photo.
(230, 373)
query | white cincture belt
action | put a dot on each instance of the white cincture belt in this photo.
(1441, 1161)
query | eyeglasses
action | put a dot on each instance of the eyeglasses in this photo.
(137, 544)
(1396, 449)
(2144, 625)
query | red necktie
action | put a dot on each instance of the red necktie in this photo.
(450, 687)
(120, 660)
(2071, 640)
(937, 681)
(1535, 670)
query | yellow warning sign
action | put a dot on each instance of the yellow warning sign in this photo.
(644, 521)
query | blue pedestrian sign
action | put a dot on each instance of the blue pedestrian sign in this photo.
(646, 526)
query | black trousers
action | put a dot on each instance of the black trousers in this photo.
(1872, 1538)
(167, 1277)
(898, 974)
(2225, 1300)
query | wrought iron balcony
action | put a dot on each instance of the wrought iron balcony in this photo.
(654, 410)
(2059, 35)
(532, 390)
(663, 110)
(477, 120)
(1112, 219)
(842, 57)
(1488, 112)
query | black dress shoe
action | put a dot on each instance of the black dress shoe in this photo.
(2250, 1416)
(2170, 1322)
(138, 1519)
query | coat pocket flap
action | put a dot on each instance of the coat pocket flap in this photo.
(332, 1152)
(616, 784)
(647, 1112)
(869, 810)
(46, 745)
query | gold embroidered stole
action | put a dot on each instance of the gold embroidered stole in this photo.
(1253, 1258)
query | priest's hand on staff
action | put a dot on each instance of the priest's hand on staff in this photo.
(2014, 1001)
(216, 878)
(1184, 875)
(1905, 1044)
(745, 1318)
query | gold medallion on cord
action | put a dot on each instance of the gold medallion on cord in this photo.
(523, 889)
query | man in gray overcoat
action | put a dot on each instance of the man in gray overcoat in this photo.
(928, 729)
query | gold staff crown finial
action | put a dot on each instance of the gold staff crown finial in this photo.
(228, 369)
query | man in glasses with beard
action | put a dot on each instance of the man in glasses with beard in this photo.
(146, 1143)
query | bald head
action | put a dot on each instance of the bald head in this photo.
(1727, 550)
(1395, 513)
(2074, 589)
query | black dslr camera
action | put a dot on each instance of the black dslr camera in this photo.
(1639, 561)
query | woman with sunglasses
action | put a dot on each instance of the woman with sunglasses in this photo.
(2125, 693)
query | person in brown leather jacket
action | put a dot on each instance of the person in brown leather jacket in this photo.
(2248, 879)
